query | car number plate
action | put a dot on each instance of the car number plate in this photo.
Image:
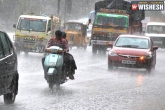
(128, 62)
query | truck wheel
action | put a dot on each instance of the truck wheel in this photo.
(85, 47)
(9, 98)
(104, 50)
(26, 53)
(94, 49)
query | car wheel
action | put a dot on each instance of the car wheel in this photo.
(94, 49)
(9, 98)
(149, 69)
(110, 66)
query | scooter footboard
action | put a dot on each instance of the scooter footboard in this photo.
(52, 71)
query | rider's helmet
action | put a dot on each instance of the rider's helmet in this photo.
(58, 34)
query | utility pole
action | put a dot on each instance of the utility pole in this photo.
(58, 7)
(65, 14)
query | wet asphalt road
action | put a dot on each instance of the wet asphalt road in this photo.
(94, 87)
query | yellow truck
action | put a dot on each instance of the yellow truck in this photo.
(111, 20)
(32, 32)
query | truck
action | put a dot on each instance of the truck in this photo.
(32, 32)
(156, 30)
(113, 18)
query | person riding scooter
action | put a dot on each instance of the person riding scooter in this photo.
(68, 58)
(72, 61)
(63, 35)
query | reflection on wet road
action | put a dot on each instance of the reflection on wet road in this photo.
(94, 87)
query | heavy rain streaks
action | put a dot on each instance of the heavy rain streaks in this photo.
(95, 87)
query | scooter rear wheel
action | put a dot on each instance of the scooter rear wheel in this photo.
(58, 80)
(51, 85)
(50, 82)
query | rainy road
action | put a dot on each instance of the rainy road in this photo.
(94, 87)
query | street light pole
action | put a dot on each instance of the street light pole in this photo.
(65, 14)
(58, 7)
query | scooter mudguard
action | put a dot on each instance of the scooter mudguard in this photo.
(53, 60)
(52, 71)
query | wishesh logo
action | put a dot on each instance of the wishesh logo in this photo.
(134, 6)
(148, 5)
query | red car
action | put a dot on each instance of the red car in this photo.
(132, 51)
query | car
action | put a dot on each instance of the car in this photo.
(8, 69)
(132, 51)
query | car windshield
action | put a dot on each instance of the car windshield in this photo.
(158, 29)
(73, 27)
(132, 42)
(111, 20)
(29, 24)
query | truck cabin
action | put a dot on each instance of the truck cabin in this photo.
(111, 18)
(36, 23)
(73, 27)
(32, 24)
(76, 26)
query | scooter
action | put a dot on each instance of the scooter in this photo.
(54, 66)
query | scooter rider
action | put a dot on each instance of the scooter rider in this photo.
(69, 56)
(59, 41)
(63, 35)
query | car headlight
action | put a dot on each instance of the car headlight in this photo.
(112, 53)
(149, 56)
